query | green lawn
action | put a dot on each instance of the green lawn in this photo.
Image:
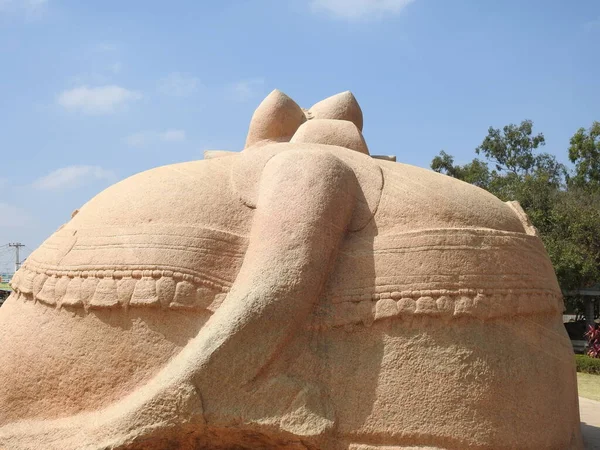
(589, 386)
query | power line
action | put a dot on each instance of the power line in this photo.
(17, 246)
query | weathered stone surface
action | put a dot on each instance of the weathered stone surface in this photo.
(299, 294)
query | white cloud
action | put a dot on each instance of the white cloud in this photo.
(102, 77)
(107, 47)
(245, 90)
(72, 176)
(359, 9)
(85, 78)
(30, 9)
(592, 25)
(13, 216)
(36, 5)
(179, 84)
(172, 135)
(144, 138)
(97, 100)
(116, 67)
(139, 139)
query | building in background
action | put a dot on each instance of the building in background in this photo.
(5, 288)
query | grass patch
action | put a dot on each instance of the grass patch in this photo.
(588, 386)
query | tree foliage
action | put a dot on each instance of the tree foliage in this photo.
(584, 152)
(563, 205)
(573, 237)
(511, 150)
(476, 172)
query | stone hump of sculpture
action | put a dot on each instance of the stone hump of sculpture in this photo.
(301, 293)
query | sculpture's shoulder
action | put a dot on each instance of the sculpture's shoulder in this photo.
(189, 193)
(415, 198)
(181, 223)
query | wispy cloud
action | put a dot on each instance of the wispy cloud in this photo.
(36, 6)
(97, 100)
(87, 78)
(13, 216)
(144, 138)
(179, 84)
(245, 90)
(592, 25)
(29, 9)
(172, 135)
(72, 176)
(102, 77)
(359, 9)
(116, 67)
(107, 47)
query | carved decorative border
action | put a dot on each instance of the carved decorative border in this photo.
(480, 304)
(110, 289)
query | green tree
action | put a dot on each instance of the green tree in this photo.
(572, 240)
(517, 174)
(566, 214)
(476, 172)
(511, 150)
(584, 152)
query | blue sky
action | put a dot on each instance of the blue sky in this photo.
(92, 92)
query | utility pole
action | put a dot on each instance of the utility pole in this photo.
(17, 246)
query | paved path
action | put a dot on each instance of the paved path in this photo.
(590, 422)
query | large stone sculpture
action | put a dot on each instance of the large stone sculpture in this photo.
(299, 294)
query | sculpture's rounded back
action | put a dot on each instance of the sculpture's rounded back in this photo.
(300, 294)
